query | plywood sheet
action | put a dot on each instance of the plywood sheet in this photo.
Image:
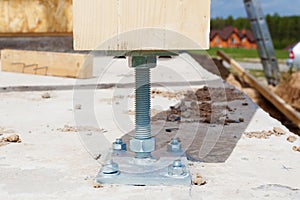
(141, 24)
(35, 16)
(47, 63)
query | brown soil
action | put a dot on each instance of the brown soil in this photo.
(289, 90)
(265, 134)
(165, 94)
(14, 138)
(295, 148)
(291, 139)
(68, 128)
(217, 94)
(206, 105)
(46, 95)
(199, 180)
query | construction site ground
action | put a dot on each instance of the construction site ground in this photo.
(57, 155)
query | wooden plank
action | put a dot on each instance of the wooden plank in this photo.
(141, 24)
(278, 102)
(47, 63)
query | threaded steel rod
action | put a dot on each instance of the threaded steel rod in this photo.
(142, 144)
(142, 103)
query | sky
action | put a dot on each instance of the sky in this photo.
(235, 8)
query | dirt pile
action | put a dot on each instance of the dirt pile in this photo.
(289, 90)
(265, 134)
(206, 105)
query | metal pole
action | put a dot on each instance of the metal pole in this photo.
(264, 41)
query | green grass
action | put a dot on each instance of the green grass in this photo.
(257, 73)
(243, 54)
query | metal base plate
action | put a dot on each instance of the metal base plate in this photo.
(152, 171)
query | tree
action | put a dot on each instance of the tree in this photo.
(284, 30)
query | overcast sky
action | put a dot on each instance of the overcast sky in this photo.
(224, 8)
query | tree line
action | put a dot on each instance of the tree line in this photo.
(284, 30)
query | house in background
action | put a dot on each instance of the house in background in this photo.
(231, 37)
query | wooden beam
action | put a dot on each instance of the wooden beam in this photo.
(47, 63)
(278, 102)
(141, 24)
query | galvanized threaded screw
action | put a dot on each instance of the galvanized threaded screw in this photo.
(142, 144)
(142, 103)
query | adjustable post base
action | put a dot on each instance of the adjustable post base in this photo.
(165, 168)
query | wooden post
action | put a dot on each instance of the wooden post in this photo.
(141, 24)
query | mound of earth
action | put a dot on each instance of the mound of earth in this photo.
(289, 90)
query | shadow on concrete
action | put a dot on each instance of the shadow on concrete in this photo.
(210, 130)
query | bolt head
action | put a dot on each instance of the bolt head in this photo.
(174, 146)
(142, 146)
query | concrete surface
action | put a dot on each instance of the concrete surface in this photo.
(52, 164)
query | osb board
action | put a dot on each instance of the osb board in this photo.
(35, 16)
(141, 24)
(47, 63)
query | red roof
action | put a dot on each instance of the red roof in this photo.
(226, 32)
(250, 36)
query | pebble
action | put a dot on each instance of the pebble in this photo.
(291, 139)
(46, 95)
(78, 107)
(199, 180)
(97, 185)
(295, 148)
(12, 138)
(279, 131)
(68, 128)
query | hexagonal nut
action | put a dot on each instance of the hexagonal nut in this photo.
(177, 171)
(110, 168)
(119, 147)
(143, 146)
(174, 146)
